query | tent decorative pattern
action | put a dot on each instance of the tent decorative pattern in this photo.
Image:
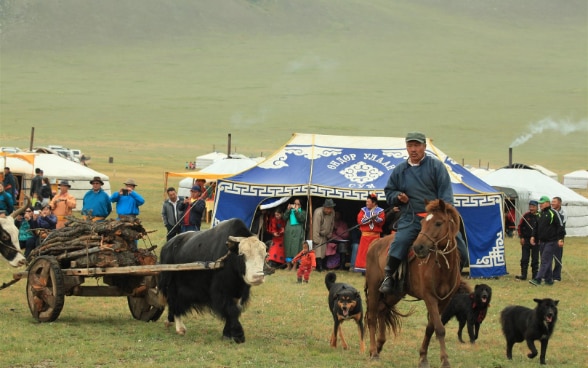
(495, 258)
(470, 201)
(361, 173)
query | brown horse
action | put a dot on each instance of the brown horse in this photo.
(433, 275)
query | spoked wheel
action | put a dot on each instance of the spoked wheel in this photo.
(45, 289)
(144, 307)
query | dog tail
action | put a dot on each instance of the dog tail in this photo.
(330, 279)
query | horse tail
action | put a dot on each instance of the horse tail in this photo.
(464, 288)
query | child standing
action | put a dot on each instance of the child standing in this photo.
(307, 260)
(277, 253)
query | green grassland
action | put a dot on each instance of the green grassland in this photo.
(286, 325)
(153, 84)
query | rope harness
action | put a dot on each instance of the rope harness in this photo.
(450, 247)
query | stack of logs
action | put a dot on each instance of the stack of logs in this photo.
(109, 243)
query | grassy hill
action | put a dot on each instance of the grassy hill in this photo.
(169, 80)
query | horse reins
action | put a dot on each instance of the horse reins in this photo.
(443, 252)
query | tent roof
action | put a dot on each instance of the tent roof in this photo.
(219, 169)
(580, 174)
(534, 183)
(318, 160)
(52, 165)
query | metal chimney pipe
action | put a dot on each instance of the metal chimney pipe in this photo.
(509, 156)
(229, 147)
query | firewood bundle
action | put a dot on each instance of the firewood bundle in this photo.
(108, 243)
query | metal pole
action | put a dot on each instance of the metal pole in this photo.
(565, 269)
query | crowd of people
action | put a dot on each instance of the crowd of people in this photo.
(298, 240)
(48, 210)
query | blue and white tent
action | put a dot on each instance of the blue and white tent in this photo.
(347, 168)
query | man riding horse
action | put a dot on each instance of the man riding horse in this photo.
(415, 180)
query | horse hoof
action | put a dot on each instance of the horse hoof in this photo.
(375, 357)
(424, 364)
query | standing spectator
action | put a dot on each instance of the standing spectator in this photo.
(37, 183)
(63, 203)
(127, 200)
(10, 184)
(336, 251)
(371, 219)
(509, 219)
(354, 238)
(192, 209)
(97, 204)
(171, 214)
(413, 181)
(525, 230)
(277, 227)
(6, 201)
(26, 223)
(558, 255)
(323, 221)
(46, 192)
(295, 218)
(307, 263)
(549, 234)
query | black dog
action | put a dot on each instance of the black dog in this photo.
(521, 323)
(344, 304)
(470, 308)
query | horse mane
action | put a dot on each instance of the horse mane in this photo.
(438, 205)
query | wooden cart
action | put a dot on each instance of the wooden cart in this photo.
(48, 284)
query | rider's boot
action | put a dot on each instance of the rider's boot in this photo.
(388, 285)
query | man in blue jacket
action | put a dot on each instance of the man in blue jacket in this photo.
(97, 205)
(127, 200)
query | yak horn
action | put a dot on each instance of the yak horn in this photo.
(21, 210)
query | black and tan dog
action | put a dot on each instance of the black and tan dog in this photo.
(525, 324)
(344, 303)
(469, 308)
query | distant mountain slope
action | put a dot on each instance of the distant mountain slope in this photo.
(73, 23)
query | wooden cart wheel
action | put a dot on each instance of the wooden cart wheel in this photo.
(45, 289)
(140, 306)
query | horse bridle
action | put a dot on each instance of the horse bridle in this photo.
(443, 252)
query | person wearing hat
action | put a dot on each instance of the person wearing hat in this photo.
(548, 235)
(63, 203)
(413, 181)
(370, 219)
(323, 222)
(127, 199)
(193, 208)
(525, 230)
(96, 204)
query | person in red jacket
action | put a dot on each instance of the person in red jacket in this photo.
(307, 260)
(277, 253)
